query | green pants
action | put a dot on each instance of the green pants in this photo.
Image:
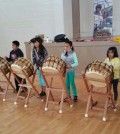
(70, 82)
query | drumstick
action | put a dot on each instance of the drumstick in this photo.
(6, 51)
(36, 53)
(35, 68)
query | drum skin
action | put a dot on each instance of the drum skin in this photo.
(99, 71)
(22, 64)
(54, 64)
(4, 65)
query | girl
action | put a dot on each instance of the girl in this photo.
(112, 59)
(39, 54)
(70, 58)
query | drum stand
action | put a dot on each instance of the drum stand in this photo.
(6, 83)
(108, 95)
(30, 87)
(50, 88)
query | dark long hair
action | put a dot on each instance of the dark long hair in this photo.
(114, 50)
(70, 43)
(41, 47)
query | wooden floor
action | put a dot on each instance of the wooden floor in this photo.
(34, 120)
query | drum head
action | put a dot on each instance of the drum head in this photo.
(20, 65)
(54, 65)
(49, 70)
(96, 76)
(99, 71)
(18, 69)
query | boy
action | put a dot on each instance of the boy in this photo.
(14, 54)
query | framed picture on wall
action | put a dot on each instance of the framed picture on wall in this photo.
(103, 14)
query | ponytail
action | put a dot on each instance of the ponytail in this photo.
(70, 43)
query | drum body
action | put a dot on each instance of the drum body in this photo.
(22, 64)
(4, 65)
(99, 71)
(53, 65)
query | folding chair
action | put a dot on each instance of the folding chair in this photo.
(50, 89)
(91, 91)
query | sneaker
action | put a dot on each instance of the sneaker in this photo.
(75, 99)
(109, 105)
(116, 104)
(65, 99)
(42, 94)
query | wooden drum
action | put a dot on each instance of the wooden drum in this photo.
(99, 71)
(22, 64)
(4, 65)
(53, 65)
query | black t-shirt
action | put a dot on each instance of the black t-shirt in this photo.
(14, 54)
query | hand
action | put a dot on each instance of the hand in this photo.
(68, 66)
(83, 72)
(37, 58)
(5, 57)
(110, 63)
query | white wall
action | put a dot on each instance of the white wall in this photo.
(23, 19)
(116, 17)
(86, 18)
(68, 23)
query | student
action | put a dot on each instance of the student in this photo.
(14, 54)
(112, 59)
(39, 54)
(70, 58)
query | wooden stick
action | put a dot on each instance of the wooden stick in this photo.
(30, 82)
(8, 78)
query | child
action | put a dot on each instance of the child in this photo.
(70, 58)
(112, 59)
(39, 54)
(14, 54)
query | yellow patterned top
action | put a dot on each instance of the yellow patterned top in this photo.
(115, 62)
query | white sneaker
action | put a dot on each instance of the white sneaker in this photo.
(109, 105)
(116, 104)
